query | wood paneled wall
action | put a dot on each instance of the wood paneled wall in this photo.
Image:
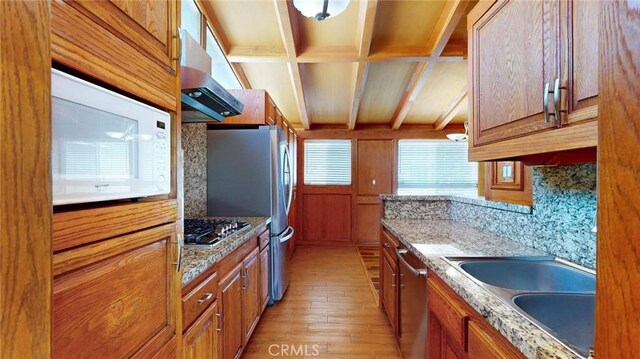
(618, 252)
(334, 215)
(25, 187)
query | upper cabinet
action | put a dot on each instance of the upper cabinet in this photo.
(517, 58)
(132, 45)
(580, 58)
(533, 80)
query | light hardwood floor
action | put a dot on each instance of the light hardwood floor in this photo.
(328, 304)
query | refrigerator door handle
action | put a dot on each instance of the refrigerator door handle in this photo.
(288, 234)
(286, 155)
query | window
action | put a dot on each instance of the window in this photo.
(195, 24)
(435, 167)
(327, 162)
(220, 68)
(191, 18)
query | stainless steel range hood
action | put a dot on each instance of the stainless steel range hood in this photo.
(203, 99)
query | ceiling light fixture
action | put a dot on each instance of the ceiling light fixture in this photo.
(320, 9)
(460, 137)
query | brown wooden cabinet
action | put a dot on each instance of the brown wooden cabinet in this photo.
(508, 181)
(132, 45)
(389, 279)
(200, 341)
(251, 303)
(580, 59)
(259, 109)
(265, 263)
(117, 298)
(518, 42)
(533, 82)
(457, 331)
(230, 301)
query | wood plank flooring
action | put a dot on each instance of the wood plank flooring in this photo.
(370, 259)
(328, 311)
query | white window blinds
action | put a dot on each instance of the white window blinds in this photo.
(435, 167)
(327, 162)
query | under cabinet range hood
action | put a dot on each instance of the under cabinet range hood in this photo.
(203, 99)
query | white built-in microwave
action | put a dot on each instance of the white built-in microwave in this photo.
(105, 146)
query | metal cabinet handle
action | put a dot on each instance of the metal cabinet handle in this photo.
(244, 279)
(206, 297)
(219, 315)
(178, 56)
(545, 104)
(178, 242)
(247, 278)
(556, 100)
(415, 272)
(393, 284)
(386, 245)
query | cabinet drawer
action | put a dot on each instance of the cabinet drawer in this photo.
(483, 345)
(389, 245)
(263, 239)
(194, 303)
(448, 311)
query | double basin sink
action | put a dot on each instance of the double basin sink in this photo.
(556, 296)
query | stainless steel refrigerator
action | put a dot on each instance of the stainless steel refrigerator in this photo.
(249, 174)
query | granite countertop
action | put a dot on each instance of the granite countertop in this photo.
(195, 260)
(430, 240)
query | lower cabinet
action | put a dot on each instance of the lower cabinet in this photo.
(116, 298)
(251, 305)
(265, 264)
(233, 305)
(230, 296)
(200, 341)
(455, 330)
(389, 279)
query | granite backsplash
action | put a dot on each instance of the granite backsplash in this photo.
(194, 143)
(559, 223)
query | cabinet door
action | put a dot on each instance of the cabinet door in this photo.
(201, 339)
(250, 294)
(390, 291)
(265, 263)
(483, 346)
(116, 298)
(581, 58)
(230, 297)
(130, 44)
(368, 214)
(374, 162)
(514, 49)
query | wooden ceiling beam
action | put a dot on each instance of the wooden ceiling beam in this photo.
(288, 39)
(366, 20)
(447, 22)
(443, 120)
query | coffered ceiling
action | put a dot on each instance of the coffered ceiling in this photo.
(388, 63)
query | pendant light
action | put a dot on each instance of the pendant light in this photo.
(460, 137)
(320, 9)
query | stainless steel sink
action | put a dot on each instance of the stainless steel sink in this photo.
(569, 316)
(530, 275)
(555, 295)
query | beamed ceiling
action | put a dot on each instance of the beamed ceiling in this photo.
(385, 63)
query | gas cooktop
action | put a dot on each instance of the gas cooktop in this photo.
(207, 232)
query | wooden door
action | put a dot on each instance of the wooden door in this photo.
(368, 214)
(251, 304)
(514, 50)
(580, 58)
(374, 167)
(201, 339)
(130, 44)
(116, 298)
(230, 298)
(265, 263)
(390, 291)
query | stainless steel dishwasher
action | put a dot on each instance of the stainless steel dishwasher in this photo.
(413, 305)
